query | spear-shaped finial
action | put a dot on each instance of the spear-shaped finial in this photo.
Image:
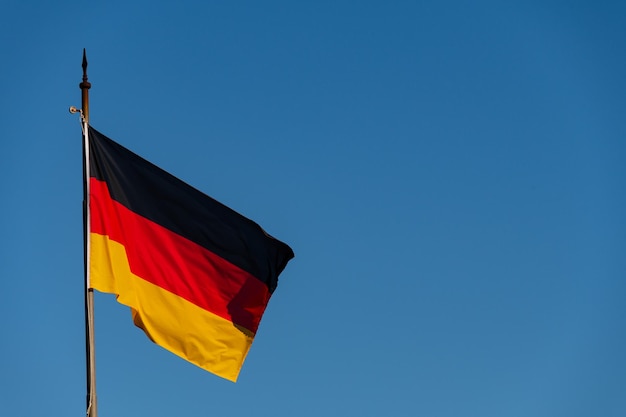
(85, 86)
(85, 83)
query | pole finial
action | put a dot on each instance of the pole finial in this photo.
(85, 85)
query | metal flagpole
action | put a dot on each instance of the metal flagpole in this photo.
(92, 409)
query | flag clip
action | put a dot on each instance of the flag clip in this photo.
(74, 110)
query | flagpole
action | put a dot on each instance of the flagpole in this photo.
(92, 409)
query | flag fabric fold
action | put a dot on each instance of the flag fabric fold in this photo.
(196, 274)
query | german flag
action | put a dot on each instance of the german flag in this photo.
(196, 274)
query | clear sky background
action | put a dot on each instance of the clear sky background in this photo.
(450, 176)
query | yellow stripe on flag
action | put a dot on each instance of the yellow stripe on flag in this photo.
(203, 338)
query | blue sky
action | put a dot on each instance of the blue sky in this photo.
(450, 176)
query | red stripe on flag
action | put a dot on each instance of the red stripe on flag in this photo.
(177, 264)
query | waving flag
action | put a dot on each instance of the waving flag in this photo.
(196, 274)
